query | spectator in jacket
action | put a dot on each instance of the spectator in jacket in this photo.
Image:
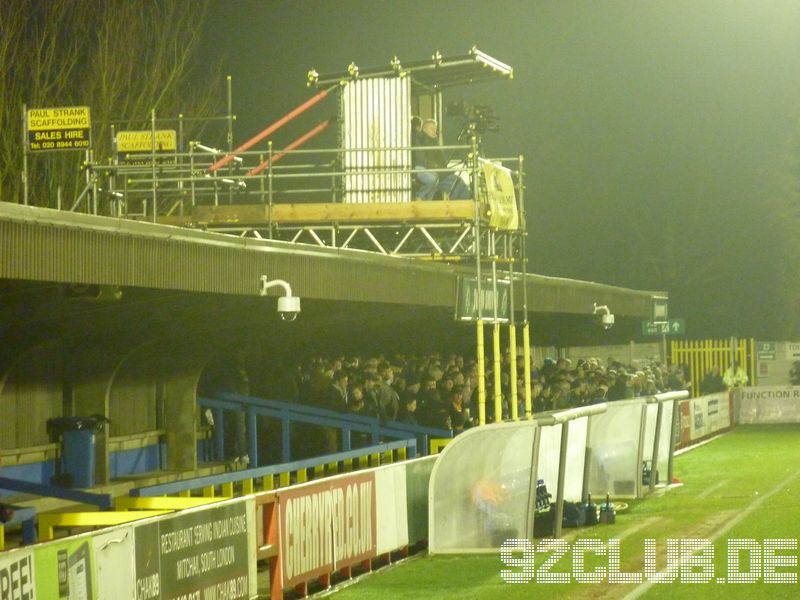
(735, 376)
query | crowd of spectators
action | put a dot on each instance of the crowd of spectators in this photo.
(436, 390)
(441, 391)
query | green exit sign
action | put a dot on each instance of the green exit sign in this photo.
(766, 350)
(670, 327)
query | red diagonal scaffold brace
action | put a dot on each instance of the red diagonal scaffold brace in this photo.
(271, 129)
(295, 144)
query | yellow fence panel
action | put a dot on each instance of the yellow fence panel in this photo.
(700, 355)
(438, 444)
(49, 521)
(160, 502)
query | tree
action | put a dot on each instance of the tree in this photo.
(122, 58)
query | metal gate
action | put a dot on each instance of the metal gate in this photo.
(701, 355)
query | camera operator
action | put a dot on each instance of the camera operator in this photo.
(429, 162)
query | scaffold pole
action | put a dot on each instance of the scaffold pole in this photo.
(295, 144)
(481, 374)
(272, 128)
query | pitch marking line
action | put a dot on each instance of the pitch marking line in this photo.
(638, 526)
(574, 534)
(643, 588)
(699, 444)
(708, 491)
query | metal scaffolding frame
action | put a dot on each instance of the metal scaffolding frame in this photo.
(243, 191)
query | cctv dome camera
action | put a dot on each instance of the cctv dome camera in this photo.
(288, 307)
(606, 316)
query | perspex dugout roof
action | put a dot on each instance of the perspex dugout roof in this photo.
(435, 73)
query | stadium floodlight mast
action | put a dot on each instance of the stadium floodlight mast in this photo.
(288, 305)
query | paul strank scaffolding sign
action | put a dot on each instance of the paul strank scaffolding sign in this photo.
(64, 128)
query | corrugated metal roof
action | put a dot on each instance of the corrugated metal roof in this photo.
(38, 244)
(435, 72)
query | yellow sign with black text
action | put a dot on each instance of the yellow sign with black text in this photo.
(136, 147)
(142, 141)
(65, 128)
(501, 196)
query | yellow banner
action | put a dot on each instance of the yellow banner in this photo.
(142, 141)
(51, 119)
(500, 196)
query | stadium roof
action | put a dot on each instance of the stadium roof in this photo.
(44, 245)
(437, 72)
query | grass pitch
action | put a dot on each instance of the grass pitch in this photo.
(745, 484)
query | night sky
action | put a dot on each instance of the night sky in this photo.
(654, 132)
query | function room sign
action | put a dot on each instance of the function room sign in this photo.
(66, 128)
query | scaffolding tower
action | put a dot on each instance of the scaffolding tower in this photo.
(361, 194)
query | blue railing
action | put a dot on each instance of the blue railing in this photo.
(53, 491)
(288, 413)
(269, 472)
(25, 517)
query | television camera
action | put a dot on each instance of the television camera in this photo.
(478, 118)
